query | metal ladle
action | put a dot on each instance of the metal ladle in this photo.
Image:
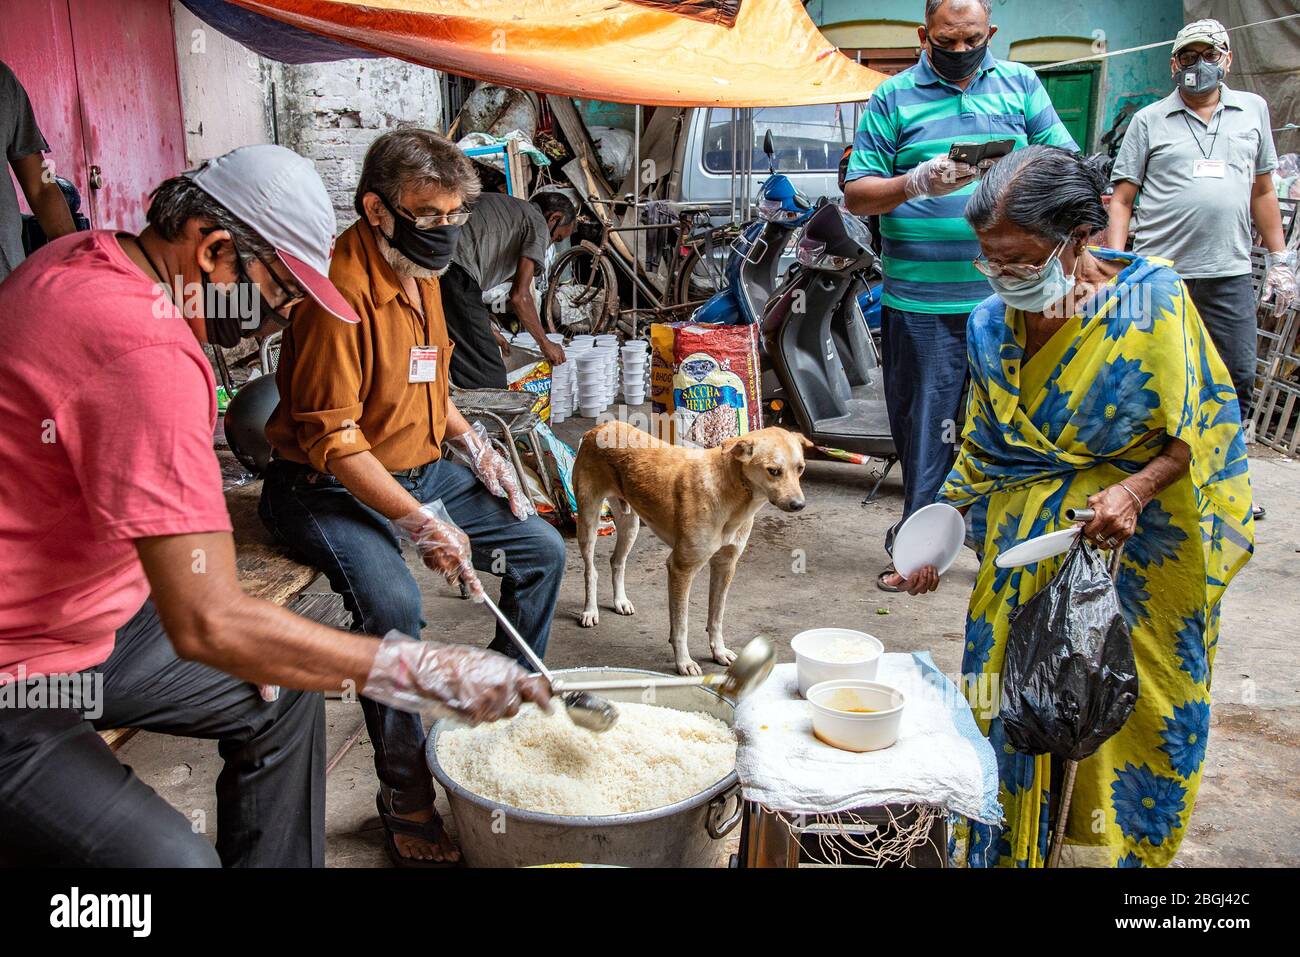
(586, 710)
(753, 664)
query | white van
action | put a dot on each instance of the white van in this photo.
(809, 143)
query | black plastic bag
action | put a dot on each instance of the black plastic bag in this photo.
(1069, 681)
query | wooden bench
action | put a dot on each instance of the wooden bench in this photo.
(264, 570)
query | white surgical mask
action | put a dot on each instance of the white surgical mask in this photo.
(1035, 295)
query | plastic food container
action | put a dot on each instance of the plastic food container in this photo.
(825, 654)
(856, 715)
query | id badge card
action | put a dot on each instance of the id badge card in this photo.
(424, 364)
(1209, 169)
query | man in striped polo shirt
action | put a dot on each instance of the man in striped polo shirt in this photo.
(900, 170)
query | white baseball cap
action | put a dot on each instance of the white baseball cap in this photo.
(281, 197)
(1210, 32)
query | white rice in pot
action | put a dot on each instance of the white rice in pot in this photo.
(543, 762)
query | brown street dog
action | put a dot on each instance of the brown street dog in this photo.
(700, 502)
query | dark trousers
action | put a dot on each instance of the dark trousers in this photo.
(325, 526)
(1227, 307)
(65, 800)
(477, 362)
(924, 360)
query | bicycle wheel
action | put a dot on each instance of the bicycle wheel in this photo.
(702, 272)
(581, 292)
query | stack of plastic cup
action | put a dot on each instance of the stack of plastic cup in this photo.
(592, 376)
(635, 354)
(609, 369)
(562, 386)
(579, 345)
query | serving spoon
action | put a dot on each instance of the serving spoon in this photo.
(753, 664)
(587, 710)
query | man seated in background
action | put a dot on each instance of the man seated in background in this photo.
(23, 148)
(505, 239)
(363, 412)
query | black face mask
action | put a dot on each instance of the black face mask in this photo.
(430, 248)
(956, 66)
(230, 310)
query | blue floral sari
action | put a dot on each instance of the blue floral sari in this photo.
(1095, 405)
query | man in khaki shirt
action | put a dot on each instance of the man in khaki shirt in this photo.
(363, 412)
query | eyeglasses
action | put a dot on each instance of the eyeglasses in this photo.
(457, 217)
(1189, 57)
(1015, 270)
(290, 295)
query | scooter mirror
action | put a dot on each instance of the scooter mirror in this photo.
(769, 150)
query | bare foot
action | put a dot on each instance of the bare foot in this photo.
(420, 849)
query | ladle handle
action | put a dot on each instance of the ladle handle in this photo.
(519, 640)
(616, 684)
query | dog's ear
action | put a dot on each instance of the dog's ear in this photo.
(742, 450)
(804, 441)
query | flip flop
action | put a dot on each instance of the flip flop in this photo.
(1258, 512)
(431, 830)
(880, 580)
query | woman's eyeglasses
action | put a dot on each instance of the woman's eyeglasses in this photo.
(1189, 57)
(1015, 270)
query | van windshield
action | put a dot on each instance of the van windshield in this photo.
(808, 139)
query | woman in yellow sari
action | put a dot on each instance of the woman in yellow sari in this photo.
(1094, 383)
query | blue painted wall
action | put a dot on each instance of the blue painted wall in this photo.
(1141, 77)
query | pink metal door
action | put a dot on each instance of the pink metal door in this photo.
(36, 43)
(125, 57)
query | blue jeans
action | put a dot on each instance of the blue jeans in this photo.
(325, 526)
(924, 359)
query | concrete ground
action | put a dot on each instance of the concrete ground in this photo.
(818, 568)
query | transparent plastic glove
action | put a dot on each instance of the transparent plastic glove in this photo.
(442, 545)
(440, 680)
(1279, 281)
(937, 176)
(492, 470)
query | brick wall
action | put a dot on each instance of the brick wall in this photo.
(331, 112)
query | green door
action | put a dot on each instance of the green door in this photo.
(1072, 91)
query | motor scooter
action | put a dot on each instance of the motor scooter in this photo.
(754, 261)
(823, 375)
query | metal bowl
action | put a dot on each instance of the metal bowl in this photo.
(676, 835)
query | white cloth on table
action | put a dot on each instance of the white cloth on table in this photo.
(940, 758)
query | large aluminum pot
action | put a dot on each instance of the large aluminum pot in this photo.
(684, 834)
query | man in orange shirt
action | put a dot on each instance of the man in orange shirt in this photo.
(364, 410)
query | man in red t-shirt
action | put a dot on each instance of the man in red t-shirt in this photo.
(121, 605)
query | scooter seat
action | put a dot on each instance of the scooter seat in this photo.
(679, 209)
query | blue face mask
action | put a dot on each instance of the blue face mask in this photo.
(1035, 295)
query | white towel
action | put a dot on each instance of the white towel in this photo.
(940, 758)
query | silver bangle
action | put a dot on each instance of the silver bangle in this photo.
(1133, 493)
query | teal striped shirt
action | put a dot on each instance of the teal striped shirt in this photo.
(927, 243)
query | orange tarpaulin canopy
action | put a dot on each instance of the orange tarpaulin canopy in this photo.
(610, 50)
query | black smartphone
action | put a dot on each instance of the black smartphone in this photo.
(974, 153)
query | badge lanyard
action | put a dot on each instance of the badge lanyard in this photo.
(1206, 166)
(424, 356)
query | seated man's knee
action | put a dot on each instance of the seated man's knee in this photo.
(548, 546)
(390, 601)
